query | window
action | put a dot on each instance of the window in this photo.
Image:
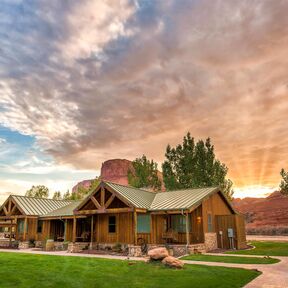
(179, 223)
(112, 224)
(39, 226)
(143, 223)
(20, 225)
(210, 227)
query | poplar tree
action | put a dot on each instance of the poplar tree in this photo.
(194, 165)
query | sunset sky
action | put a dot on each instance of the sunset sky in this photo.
(82, 82)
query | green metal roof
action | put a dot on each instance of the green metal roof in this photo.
(137, 197)
(181, 199)
(64, 211)
(38, 206)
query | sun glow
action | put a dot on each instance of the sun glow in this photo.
(255, 191)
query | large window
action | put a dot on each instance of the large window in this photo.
(20, 225)
(210, 226)
(39, 226)
(143, 223)
(112, 224)
(178, 223)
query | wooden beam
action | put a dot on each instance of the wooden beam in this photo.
(13, 210)
(102, 210)
(5, 210)
(65, 229)
(92, 231)
(74, 230)
(10, 234)
(187, 230)
(25, 229)
(135, 226)
(109, 201)
(119, 210)
(96, 203)
(9, 205)
(102, 196)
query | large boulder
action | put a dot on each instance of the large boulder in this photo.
(158, 253)
(173, 262)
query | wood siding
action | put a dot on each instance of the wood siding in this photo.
(237, 223)
(214, 205)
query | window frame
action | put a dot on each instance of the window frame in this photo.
(146, 218)
(112, 225)
(209, 222)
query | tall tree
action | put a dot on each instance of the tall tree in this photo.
(144, 174)
(284, 182)
(57, 195)
(81, 192)
(39, 191)
(194, 165)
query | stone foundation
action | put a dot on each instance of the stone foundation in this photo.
(38, 244)
(77, 247)
(134, 251)
(210, 241)
(23, 245)
(178, 250)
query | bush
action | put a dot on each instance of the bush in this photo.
(268, 230)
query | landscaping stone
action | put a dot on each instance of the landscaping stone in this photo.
(158, 253)
(173, 262)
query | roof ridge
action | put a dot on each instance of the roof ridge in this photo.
(31, 197)
(186, 189)
(130, 187)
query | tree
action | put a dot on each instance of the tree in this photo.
(144, 174)
(39, 191)
(57, 195)
(284, 182)
(194, 165)
(81, 191)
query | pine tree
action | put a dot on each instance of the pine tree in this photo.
(144, 174)
(284, 182)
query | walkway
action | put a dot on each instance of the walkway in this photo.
(266, 238)
(273, 275)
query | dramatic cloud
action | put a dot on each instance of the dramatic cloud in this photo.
(94, 80)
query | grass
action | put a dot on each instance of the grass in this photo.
(265, 248)
(231, 259)
(24, 270)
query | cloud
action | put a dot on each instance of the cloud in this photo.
(96, 80)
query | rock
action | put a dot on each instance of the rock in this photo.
(173, 262)
(158, 253)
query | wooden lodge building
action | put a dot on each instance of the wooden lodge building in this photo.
(192, 219)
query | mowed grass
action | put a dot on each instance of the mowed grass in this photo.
(231, 259)
(268, 248)
(41, 271)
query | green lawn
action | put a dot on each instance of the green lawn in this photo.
(24, 270)
(231, 259)
(265, 248)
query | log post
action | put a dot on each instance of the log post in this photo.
(135, 227)
(187, 232)
(65, 229)
(92, 232)
(10, 234)
(25, 229)
(74, 229)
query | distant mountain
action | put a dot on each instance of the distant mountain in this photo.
(265, 215)
(114, 170)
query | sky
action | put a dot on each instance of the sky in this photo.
(82, 82)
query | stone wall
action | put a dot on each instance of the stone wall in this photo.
(134, 251)
(77, 247)
(23, 245)
(211, 241)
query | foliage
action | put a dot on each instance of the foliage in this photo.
(144, 174)
(284, 182)
(230, 259)
(57, 195)
(81, 192)
(57, 271)
(39, 191)
(267, 248)
(194, 165)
